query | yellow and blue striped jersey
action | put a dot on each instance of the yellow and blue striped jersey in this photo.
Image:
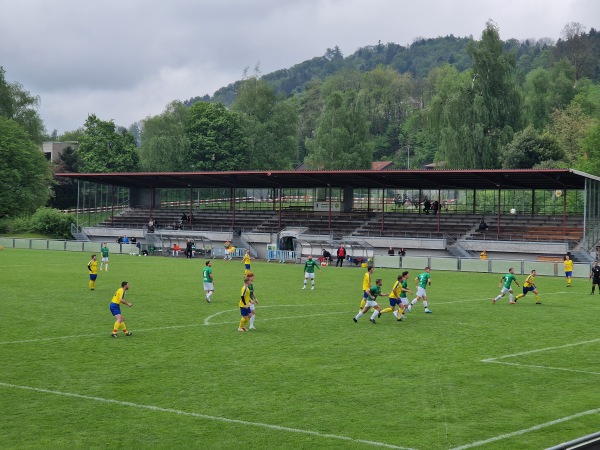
(245, 297)
(119, 296)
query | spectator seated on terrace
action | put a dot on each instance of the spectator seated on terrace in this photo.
(151, 226)
(482, 225)
(326, 258)
(176, 249)
(391, 251)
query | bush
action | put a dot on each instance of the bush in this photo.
(19, 224)
(51, 222)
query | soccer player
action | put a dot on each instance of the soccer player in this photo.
(398, 297)
(505, 282)
(246, 261)
(595, 276)
(309, 272)
(208, 280)
(422, 280)
(104, 260)
(115, 308)
(568, 269)
(529, 285)
(245, 302)
(93, 270)
(373, 293)
(254, 300)
(366, 285)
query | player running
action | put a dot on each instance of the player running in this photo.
(422, 280)
(505, 283)
(246, 261)
(398, 297)
(366, 285)
(115, 309)
(373, 293)
(529, 285)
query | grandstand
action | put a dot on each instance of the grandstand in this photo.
(524, 213)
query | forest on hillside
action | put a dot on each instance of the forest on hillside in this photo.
(461, 103)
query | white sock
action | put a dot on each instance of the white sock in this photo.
(359, 315)
(396, 314)
(106, 267)
(305, 282)
(209, 295)
(425, 304)
(414, 300)
(251, 320)
(313, 284)
(374, 315)
(511, 297)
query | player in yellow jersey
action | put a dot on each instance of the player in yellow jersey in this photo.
(245, 301)
(115, 308)
(529, 285)
(398, 297)
(568, 269)
(366, 285)
(93, 270)
(246, 261)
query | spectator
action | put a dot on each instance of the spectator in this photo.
(184, 217)
(188, 249)
(176, 250)
(125, 240)
(391, 251)
(191, 217)
(341, 254)
(402, 252)
(151, 226)
(483, 255)
(193, 249)
(426, 206)
(482, 225)
(120, 240)
(435, 207)
(326, 256)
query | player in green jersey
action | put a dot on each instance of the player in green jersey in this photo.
(373, 293)
(505, 283)
(309, 272)
(423, 280)
(208, 280)
(104, 261)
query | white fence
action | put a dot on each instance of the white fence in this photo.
(68, 246)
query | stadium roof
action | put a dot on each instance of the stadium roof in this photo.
(400, 179)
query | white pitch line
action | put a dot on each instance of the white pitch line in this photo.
(204, 416)
(543, 367)
(527, 430)
(540, 350)
(172, 327)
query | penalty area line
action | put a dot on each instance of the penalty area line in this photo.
(202, 416)
(527, 430)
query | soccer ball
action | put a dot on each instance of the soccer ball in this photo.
(558, 193)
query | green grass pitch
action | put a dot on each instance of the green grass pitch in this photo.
(470, 375)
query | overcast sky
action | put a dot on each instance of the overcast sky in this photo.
(127, 59)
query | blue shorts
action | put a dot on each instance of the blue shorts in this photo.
(365, 295)
(568, 274)
(115, 308)
(528, 289)
(93, 276)
(247, 266)
(394, 302)
(245, 311)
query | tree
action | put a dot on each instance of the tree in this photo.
(569, 126)
(65, 190)
(528, 149)
(269, 123)
(342, 139)
(475, 120)
(590, 158)
(102, 149)
(216, 138)
(165, 144)
(575, 46)
(19, 105)
(25, 175)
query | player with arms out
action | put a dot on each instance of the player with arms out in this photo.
(309, 272)
(595, 276)
(422, 280)
(245, 302)
(208, 281)
(373, 293)
(529, 285)
(505, 283)
(93, 271)
(104, 251)
(568, 263)
(115, 309)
